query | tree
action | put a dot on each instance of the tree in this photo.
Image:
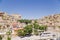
(28, 29)
(58, 26)
(25, 21)
(25, 31)
(21, 33)
(8, 35)
(42, 27)
(35, 21)
(36, 26)
(36, 32)
(8, 38)
(0, 37)
(0, 26)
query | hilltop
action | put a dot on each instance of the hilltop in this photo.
(51, 20)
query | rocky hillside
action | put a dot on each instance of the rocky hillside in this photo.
(51, 20)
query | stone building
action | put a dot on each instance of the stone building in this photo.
(52, 21)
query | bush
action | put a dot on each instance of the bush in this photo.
(42, 27)
(28, 29)
(8, 34)
(21, 33)
(36, 26)
(36, 32)
(0, 37)
(8, 38)
(25, 21)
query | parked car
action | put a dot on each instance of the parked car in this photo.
(47, 36)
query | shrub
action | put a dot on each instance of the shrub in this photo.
(8, 38)
(21, 33)
(28, 29)
(36, 32)
(0, 37)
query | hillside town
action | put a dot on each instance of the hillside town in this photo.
(9, 22)
(52, 21)
(13, 27)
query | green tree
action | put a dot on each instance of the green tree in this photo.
(42, 27)
(35, 21)
(25, 21)
(25, 31)
(36, 26)
(28, 29)
(36, 32)
(8, 38)
(0, 37)
(8, 35)
(21, 33)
